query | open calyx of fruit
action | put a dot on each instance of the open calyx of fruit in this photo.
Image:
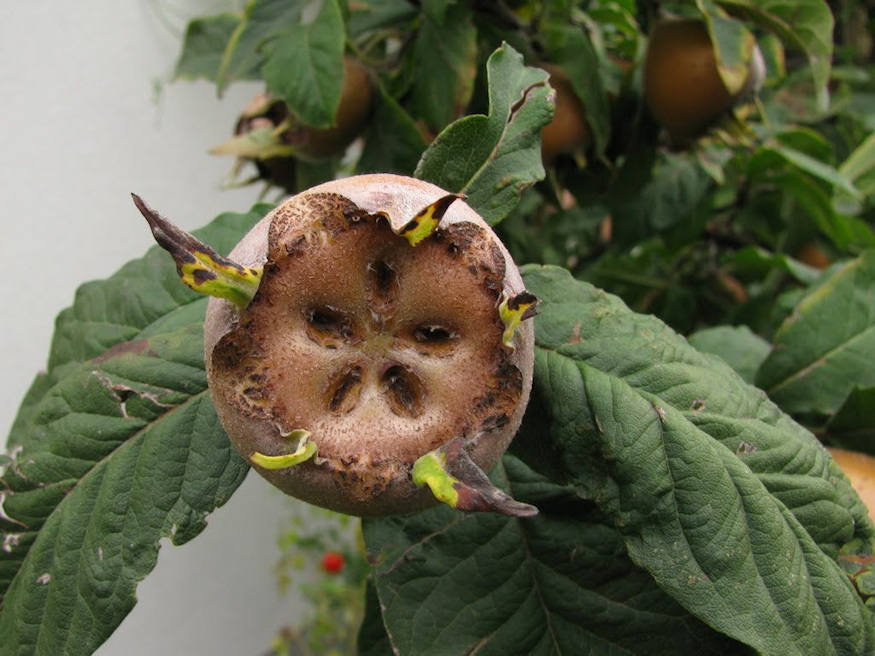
(367, 345)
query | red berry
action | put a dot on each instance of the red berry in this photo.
(333, 562)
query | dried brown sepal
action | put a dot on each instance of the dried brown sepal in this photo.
(454, 478)
(198, 265)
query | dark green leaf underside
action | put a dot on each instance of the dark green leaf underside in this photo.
(736, 511)
(558, 583)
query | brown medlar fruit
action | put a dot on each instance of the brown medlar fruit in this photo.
(682, 85)
(371, 339)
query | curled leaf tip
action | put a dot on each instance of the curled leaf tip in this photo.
(456, 480)
(515, 310)
(198, 265)
(426, 221)
(304, 450)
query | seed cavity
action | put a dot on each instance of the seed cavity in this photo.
(404, 391)
(434, 333)
(344, 389)
(327, 325)
(382, 285)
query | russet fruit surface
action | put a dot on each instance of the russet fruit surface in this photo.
(682, 85)
(380, 350)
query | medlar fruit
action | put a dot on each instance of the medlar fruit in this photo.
(368, 337)
(568, 132)
(268, 135)
(682, 85)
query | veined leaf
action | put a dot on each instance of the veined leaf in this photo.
(827, 346)
(557, 583)
(807, 25)
(736, 511)
(859, 167)
(853, 424)
(493, 158)
(304, 63)
(739, 346)
(116, 447)
(204, 46)
(733, 45)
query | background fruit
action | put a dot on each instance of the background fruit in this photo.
(381, 350)
(569, 131)
(266, 112)
(682, 86)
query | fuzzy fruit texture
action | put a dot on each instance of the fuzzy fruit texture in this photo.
(386, 330)
(682, 85)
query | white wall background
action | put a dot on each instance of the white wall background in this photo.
(83, 125)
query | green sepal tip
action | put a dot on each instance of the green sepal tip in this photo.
(430, 470)
(513, 311)
(426, 221)
(456, 480)
(198, 265)
(304, 451)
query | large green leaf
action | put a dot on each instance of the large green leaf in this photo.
(116, 447)
(304, 63)
(739, 346)
(827, 345)
(558, 583)
(204, 46)
(493, 158)
(445, 64)
(736, 511)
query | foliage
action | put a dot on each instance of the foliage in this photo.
(681, 507)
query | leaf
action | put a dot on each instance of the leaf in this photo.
(304, 63)
(143, 298)
(736, 511)
(494, 158)
(263, 20)
(804, 24)
(558, 583)
(394, 143)
(814, 167)
(372, 637)
(739, 346)
(827, 346)
(754, 260)
(846, 232)
(116, 447)
(853, 424)
(376, 14)
(859, 167)
(658, 192)
(572, 49)
(733, 46)
(444, 63)
(204, 46)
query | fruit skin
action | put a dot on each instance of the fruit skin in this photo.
(568, 132)
(381, 485)
(682, 85)
(860, 470)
